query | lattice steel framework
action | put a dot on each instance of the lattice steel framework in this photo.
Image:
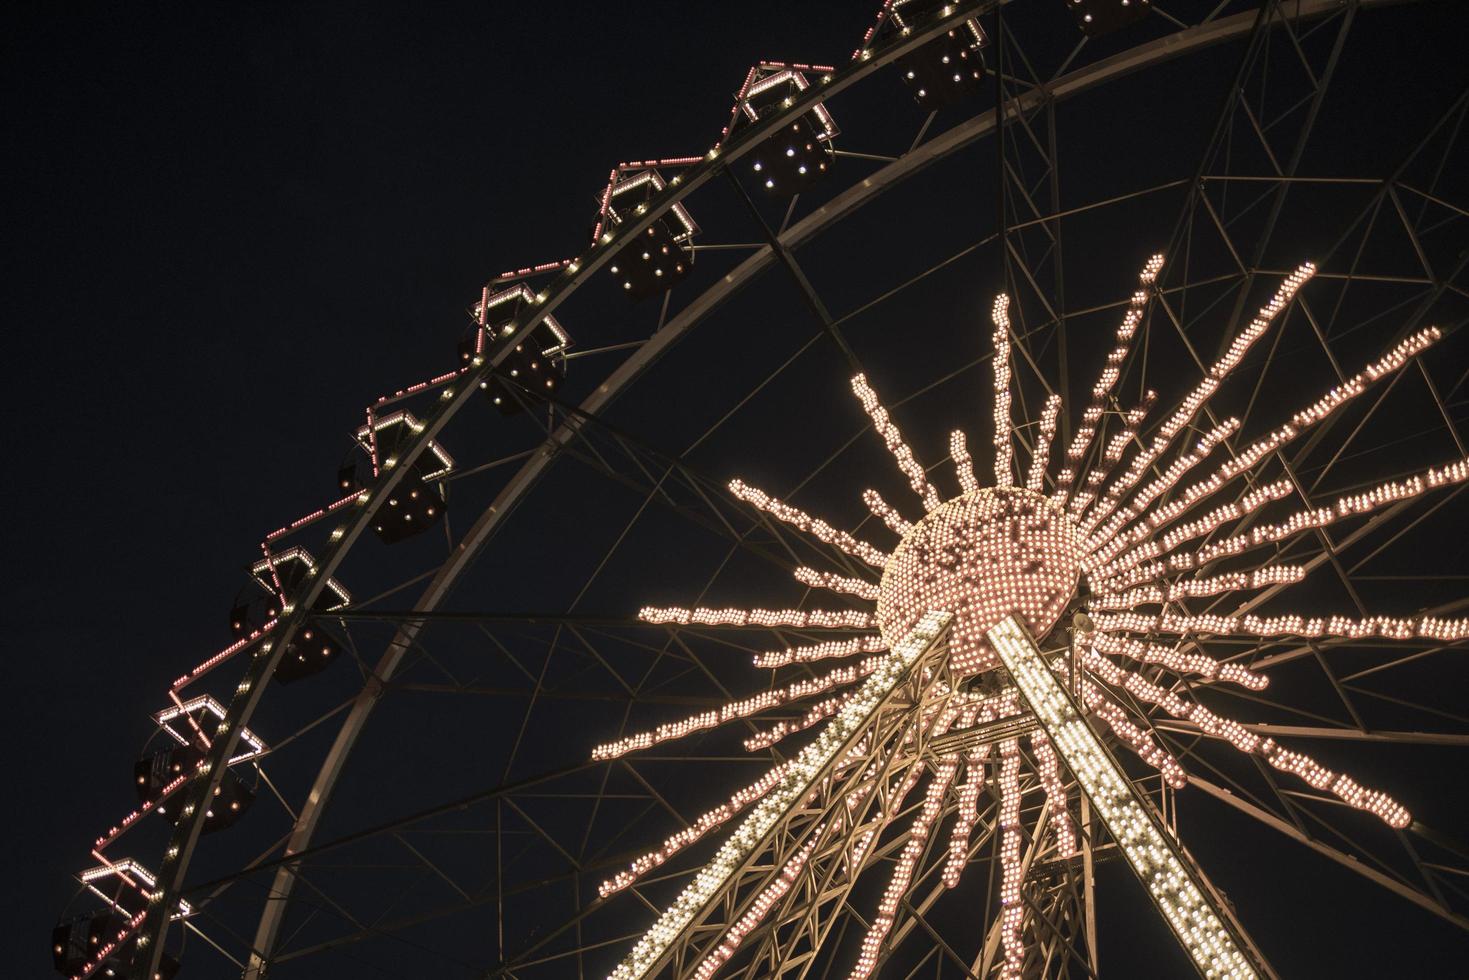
(1390, 247)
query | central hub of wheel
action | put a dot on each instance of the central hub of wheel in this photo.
(982, 556)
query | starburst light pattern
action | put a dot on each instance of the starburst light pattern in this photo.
(1125, 533)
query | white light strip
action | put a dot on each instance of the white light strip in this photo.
(521, 293)
(262, 571)
(123, 869)
(1153, 855)
(201, 704)
(408, 419)
(798, 784)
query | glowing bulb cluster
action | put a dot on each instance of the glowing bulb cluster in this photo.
(982, 556)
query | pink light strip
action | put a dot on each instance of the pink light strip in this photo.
(116, 831)
(221, 657)
(314, 515)
(530, 270)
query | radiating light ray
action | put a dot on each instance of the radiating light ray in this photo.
(1348, 505)
(967, 815)
(836, 583)
(1306, 627)
(1153, 547)
(1012, 871)
(1201, 393)
(963, 462)
(888, 430)
(759, 909)
(1040, 459)
(1301, 421)
(831, 649)
(1111, 371)
(1194, 588)
(803, 521)
(818, 713)
(902, 873)
(1004, 450)
(1343, 787)
(1132, 421)
(1180, 662)
(1164, 482)
(1265, 575)
(1142, 743)
(1059, 815)
(886, 512)
(734, 710)
(1117, 446)
(704, 823)
(814, 619)
(1376, 802)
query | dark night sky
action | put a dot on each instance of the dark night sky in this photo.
(227, 227)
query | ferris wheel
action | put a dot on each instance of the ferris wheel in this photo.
(882, 549)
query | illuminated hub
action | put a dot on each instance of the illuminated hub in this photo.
(536, 366)
(1097, 17)
(799, 154)
(415, 505)
(663, 254)
(982, 556)
(947, 69)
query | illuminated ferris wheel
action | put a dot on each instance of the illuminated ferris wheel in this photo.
(938, 546)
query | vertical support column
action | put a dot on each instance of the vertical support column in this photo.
(1214, 941)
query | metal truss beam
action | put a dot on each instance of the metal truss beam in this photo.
(1216, 943)
(808, 826)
